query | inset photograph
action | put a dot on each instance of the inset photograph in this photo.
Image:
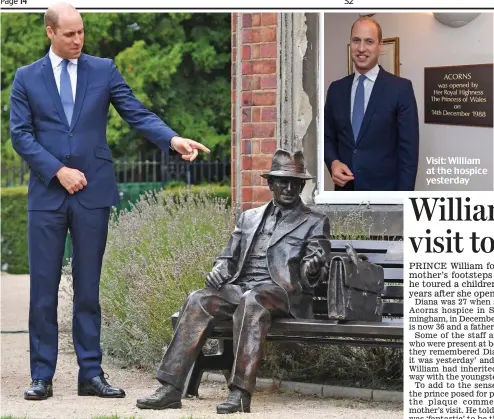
(408, 101)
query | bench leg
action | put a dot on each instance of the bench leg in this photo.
(222, 360)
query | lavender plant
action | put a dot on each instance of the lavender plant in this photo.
(156, 254)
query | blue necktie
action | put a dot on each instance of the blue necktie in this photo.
(358, 107)
(66, 92)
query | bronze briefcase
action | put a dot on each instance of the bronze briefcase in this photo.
(355, 288)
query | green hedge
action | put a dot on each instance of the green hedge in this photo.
(14, 230)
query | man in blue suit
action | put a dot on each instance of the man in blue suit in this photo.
(371, 133)
(59, 108)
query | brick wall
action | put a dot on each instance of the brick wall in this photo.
(259, 81)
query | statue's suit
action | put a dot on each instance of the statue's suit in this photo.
(294, 242)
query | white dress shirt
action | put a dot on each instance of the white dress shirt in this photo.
(371, 77)
(56, 64)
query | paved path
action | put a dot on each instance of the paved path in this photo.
(67, 405)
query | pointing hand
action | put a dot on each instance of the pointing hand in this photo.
(187, 148)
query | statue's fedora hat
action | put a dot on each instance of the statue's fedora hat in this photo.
(285, 164)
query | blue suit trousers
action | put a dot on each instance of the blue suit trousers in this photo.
(46, 233)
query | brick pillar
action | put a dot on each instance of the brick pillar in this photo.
(234, 102)
(256, 104)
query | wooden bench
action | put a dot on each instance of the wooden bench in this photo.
(321, 330)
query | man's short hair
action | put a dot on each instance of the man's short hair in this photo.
(369, 19)
(51, 18)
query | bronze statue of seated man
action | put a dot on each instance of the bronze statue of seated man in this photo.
(275, 257)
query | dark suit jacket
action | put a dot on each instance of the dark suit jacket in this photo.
(42, 136)
(294, 242)
(385, 155)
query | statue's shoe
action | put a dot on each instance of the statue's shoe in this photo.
(165, 397)
(238, 401)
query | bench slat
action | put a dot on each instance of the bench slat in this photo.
(393, 275)
(390, 291)
(378, 259)
(389, 309)
(295, 327)
(393, 309)
(393, 292)
(373, 343)
(365, 245)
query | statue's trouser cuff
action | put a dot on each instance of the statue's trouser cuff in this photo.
(165, 378)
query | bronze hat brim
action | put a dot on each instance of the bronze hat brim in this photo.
(286, 173)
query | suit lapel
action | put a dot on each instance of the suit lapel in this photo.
(80, 92)
(249, 237)
(291, 222)
(51, 86)
(377, 93)
(346, 102)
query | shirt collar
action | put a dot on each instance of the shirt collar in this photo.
(371, 74)
(56, 60)
(284, 211)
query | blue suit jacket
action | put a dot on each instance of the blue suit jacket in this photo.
(43, 138)
(385, 155)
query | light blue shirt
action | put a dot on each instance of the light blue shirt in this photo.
(371, 77)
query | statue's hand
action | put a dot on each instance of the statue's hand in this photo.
(215, 279)
(315, 264)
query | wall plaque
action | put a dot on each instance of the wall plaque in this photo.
(459, 95)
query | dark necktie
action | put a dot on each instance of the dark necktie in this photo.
(66, 92)
(358, 107)
(272, 221)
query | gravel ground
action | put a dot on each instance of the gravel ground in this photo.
(67, 405)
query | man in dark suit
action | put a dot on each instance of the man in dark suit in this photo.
(275, 257)
(371, 134)
(59, 107)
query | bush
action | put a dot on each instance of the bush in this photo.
(156, 254)
(130, 192)
(14, 230)
(328, 364)
(220, 192)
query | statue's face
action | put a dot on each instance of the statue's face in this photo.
(286, 190)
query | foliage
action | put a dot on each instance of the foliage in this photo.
(178, 65)
(219, 191)
(356, 224)
(130, 192)
(156, 254)
(336, 365)
(14, 230)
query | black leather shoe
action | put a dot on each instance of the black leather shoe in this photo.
(39, 390)
(238, 401)
(98, 386)
(165, 397)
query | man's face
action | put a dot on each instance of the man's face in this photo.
(286, 190)
(365, 46)
(67, 38)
